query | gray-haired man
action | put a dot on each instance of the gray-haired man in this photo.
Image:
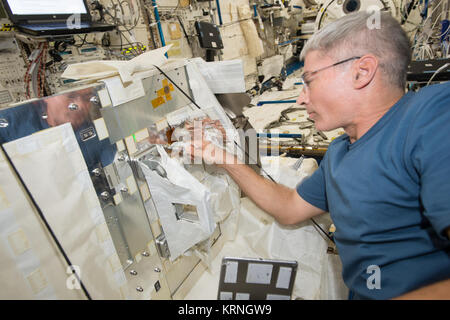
(386, 182)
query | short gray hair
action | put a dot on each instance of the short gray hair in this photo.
(350, 36)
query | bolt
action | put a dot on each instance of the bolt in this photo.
(105, 195)
(4, 123)
(73, 107)
(94, 99)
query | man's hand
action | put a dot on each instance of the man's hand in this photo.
(201, 134)
(283, 203)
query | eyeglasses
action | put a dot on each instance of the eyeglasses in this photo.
(306, 75)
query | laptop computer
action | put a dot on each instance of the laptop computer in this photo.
(52, 17)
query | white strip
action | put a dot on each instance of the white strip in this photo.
(260, 273)
(226, 295)
(277, 297)
(231, 272)
(284, 278)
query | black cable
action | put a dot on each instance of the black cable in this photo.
(120, 24)
(246, 153)
(83, 41)
(47, 225)
(184, 30)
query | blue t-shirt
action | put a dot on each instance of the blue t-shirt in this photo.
(388, 194)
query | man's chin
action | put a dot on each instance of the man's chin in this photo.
(323, 126)
(320, 126)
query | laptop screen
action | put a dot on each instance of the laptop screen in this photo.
(46, 7)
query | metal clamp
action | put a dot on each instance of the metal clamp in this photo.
(162, 246)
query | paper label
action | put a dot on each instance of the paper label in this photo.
(120, 145)
(132, 188)
(145, 193)
(259, 273)
(284, 277)
(131, 145)
(141, 135)
(103, 95)
(231, 272)
(117, 199)
(100, 127)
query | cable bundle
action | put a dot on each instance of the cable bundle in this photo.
(35, 73)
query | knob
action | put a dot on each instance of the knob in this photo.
(157, 269)
(139, 289)
(133, 272)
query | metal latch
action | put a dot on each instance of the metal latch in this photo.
(162, 245)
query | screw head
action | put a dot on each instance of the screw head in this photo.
(73, 106)
(105, 195)
(4, 123)
(94, 99)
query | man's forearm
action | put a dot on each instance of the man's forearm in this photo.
(436, 291)
(272, 197)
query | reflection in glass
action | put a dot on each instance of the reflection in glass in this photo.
(74, 107)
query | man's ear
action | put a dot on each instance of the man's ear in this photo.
(364, 70)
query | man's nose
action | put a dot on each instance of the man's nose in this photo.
(303, 98)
